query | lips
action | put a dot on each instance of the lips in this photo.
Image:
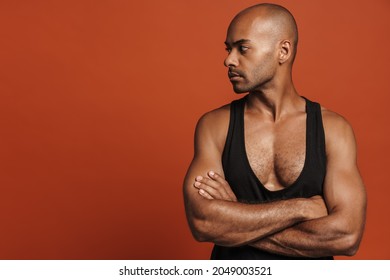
(234, 76)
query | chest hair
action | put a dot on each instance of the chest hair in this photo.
(276, 153)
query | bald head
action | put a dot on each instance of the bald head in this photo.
(275, 20)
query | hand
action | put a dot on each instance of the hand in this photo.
(214, 187)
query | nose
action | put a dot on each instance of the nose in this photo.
(231, 60)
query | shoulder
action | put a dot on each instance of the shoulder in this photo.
(338, 131)
(215, 118)
(334, 123)
(213, 126)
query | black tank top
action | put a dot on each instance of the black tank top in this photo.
(248, 188)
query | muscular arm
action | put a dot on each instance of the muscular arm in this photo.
(340, 232)
(226, 221)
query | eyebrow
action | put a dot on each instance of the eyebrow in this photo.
(238, 42)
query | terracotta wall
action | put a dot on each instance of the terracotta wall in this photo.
(98, 103)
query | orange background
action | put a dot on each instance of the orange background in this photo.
(99, 100)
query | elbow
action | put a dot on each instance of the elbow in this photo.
(199, 235)
(347, 236)
(206, 231)
(353, 247)
(351, 251)
(350, 245)
(203, 227)
(200, 231)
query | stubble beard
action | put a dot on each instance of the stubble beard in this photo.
(252, 86)
(257, 79)
(237, 89)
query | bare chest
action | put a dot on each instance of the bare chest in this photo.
(276, 153)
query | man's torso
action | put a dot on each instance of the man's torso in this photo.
(263, 161)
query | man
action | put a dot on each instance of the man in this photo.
(274, 175)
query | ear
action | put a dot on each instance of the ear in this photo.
(285, 51)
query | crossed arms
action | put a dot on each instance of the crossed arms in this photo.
(309, 227)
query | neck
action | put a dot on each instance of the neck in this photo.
(275, 99)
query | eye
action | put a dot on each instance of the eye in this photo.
(228, 49)
(242, 49)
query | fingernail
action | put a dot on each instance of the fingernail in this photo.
(197, 184)
(211, 173)
(198, 178)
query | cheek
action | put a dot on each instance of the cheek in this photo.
(267, 63)
(262, 71)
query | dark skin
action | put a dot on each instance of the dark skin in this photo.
(260, 44)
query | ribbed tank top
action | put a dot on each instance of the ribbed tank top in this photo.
(248, 188)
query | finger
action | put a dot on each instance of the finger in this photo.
(208, 181)
(215, 176)
(218, 179)
(205, 194)
(219, 191)
(222, 189)
(209, 190)
(228, 190)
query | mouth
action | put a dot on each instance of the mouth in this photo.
(234, 76)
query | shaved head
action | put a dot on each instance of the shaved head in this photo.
(271, 18)
(261, 42)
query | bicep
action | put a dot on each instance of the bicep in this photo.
(344, 191)
(207, 157)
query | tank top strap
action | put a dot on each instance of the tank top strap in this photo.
(316, 133)
(234, 130)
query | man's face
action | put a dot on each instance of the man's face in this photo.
(252, 55)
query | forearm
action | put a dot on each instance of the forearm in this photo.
(233, 224)
(327, 236)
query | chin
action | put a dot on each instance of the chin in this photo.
(240, 87)
(240, 90)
